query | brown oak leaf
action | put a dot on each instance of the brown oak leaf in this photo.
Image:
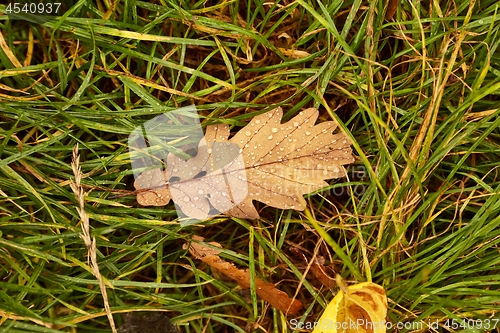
(265, 290)
(267, 161)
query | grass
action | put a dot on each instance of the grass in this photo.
(418, 213)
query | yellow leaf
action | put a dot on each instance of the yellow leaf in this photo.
(360, 308)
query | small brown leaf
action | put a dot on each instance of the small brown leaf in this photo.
(392, 7)
(317, 268)
(266, 161)
(264, 290)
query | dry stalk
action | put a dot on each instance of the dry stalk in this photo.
(85, 235)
